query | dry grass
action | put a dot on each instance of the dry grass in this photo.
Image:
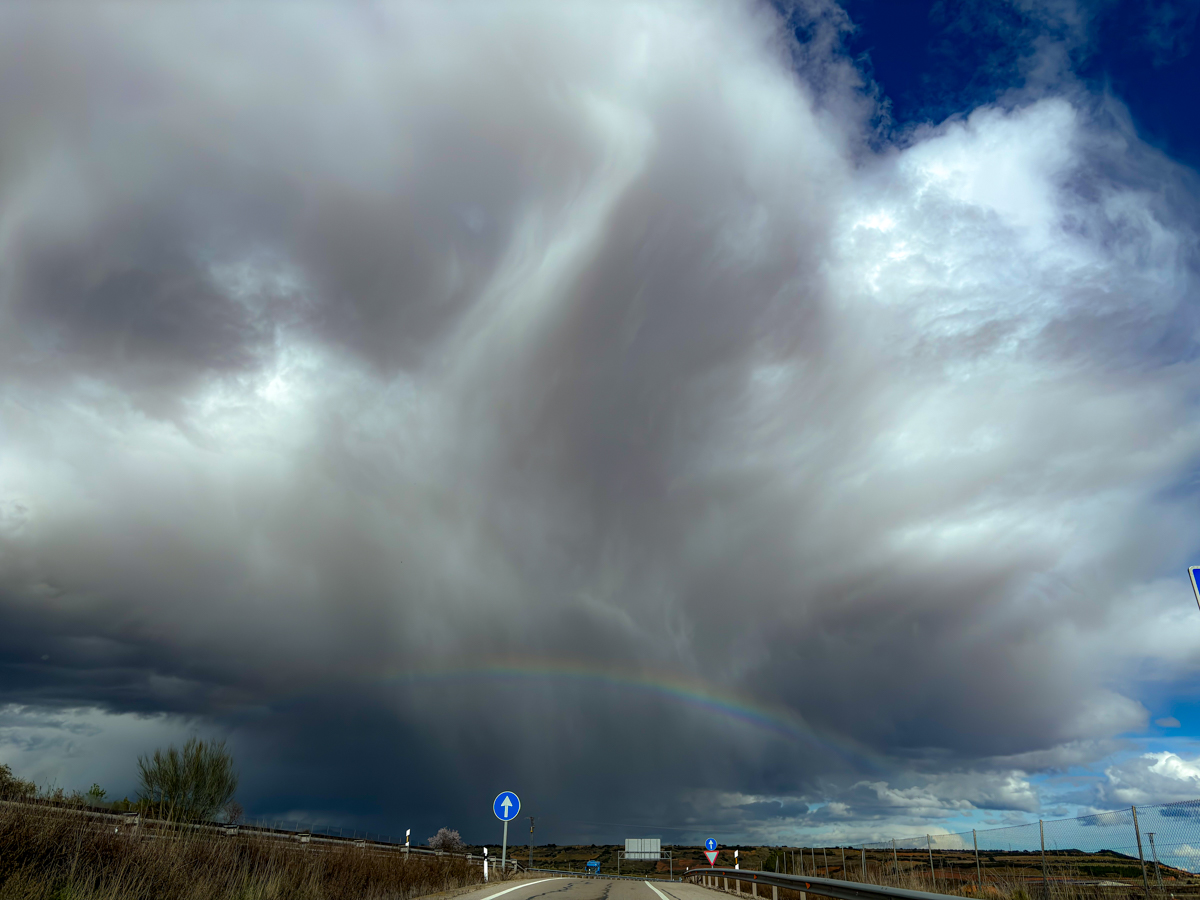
(48, 854)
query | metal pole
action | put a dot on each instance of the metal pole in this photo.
(895, 858)
(1045, 880)
(978, 870)
(504, 849)
(864, 860)
(932, 874)
(845, 874)
(530, 841)
(1141, 859)
(825, 856)
(1154, 853)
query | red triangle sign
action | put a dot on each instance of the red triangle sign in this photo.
(712, 856)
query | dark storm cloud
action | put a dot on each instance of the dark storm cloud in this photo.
(348, 352)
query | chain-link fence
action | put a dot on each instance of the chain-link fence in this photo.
(1154, 849)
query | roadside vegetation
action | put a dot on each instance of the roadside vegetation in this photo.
(52, 853)
(56, 845)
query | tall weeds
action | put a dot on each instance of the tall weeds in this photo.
(51, 854)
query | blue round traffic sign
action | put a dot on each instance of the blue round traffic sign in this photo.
(507, 806)
(710, 844)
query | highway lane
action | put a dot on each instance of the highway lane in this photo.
(567, 888)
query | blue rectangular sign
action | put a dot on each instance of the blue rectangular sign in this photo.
(1194, 578)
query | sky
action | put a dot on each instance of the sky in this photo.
(773, 422)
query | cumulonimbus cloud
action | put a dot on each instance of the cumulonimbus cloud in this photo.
(340, 345)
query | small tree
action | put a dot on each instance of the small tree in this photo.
(14, 788)
(446, 839)
(194, 783)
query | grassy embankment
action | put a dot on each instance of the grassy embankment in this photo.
(53, 854)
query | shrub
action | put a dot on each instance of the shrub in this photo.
(190, 784)
(14, 788)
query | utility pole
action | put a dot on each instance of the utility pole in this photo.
(1154, 853)
(530, 818)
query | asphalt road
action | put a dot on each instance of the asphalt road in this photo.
(590, 889)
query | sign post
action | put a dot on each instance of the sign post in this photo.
(505, 806)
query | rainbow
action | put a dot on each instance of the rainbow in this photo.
(738, 708)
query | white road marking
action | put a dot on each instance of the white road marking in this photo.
(661, 895)
(523, 884)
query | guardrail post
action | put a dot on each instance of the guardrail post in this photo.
(774, 892)
(754, 888)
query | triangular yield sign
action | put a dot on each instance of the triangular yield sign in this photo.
(712, 856)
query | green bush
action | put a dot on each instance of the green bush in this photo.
(194, 783)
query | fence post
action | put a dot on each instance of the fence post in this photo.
(1154, 853)
(864, 861)
(1141, 859)
(845, 874)
(978, 870)
(1045, 880)
(932, 874)
(824, 856)
(895, 858)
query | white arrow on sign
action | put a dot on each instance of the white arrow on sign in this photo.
(507, 805)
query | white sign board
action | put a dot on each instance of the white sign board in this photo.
(643, 848)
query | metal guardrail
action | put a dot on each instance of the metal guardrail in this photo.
(132, 823)
(825, 887)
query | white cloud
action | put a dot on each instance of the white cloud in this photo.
(1162, 777)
